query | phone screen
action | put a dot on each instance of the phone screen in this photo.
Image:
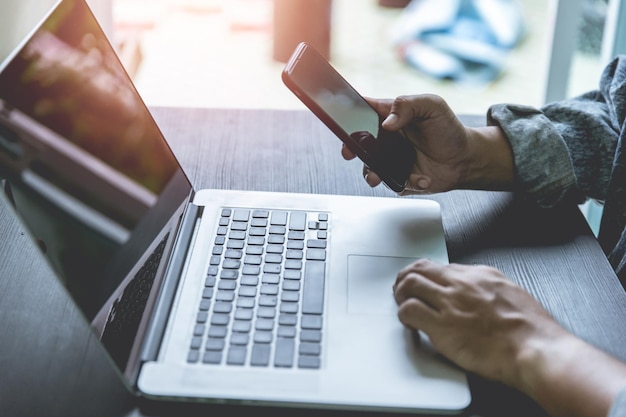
(349, 116)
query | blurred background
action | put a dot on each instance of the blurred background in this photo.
(223, 53)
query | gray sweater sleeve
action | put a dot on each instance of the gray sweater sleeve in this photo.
(565, 150)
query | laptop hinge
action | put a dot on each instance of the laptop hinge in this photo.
(156, 328)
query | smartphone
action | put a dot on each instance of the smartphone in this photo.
(349, 116)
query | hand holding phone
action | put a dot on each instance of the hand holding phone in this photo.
(349, 116)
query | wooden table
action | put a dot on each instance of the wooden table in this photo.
(50, 365)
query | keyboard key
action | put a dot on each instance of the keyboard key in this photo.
(202, 317)
(231, 264)
(294, 254)
(227, 285)
(260, 354)
(252, 260)
(229, 274)
(313, 349)
(196, 342)
(295, 235)
(273, 258)
(220, 319)
(245, 302)
(274, 249)
(279, 218)
(291, 285)
(316, 254)
(239, 226)
(293, 264)
(271, 278)
(258, 231)
(266, 312)
(287, 319)
(233, 254)
(258, 222)
(214, 344)
(290, 296)
(205, 304)
(283, 356)
(287, 307)
(254, 250)
(193, 356)
(286, 331)
(313, 289)
(237, 235)
(264, 324)
(277, 230)
(269, 289)
(310, 336)
(251, 270)
(297, 221)
(222, 307)
(236, 355)
(314, 243)
(256, 240)
(276, 239)
(309, 362)
(244, 314)
(249, 280)
(235, 244)
(241, 215)
(295, 244)
(268, 300)
(271, 268)
(224, 295)
(211, 356)
(242, 326)
(240, 339)
(262, 336)
(292, 274)
(217, 331)
(261, 214)
(311, 322)
(247, 291)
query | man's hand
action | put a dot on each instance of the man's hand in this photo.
(449, 155)
(486, 324)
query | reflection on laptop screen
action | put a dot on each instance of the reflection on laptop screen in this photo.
(90, 173)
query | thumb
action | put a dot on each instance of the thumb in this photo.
(402, 112)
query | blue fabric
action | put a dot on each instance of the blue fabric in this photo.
(574, 150)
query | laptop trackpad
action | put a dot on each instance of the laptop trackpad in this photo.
(370, 281)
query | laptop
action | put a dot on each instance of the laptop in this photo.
(209, 296)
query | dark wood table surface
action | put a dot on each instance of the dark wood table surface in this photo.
(50, 365)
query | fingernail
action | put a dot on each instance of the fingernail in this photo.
(391, 119)
(422, 184)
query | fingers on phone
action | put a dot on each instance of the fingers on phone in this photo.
(347, 153)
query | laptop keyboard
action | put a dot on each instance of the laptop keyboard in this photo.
(263, 300)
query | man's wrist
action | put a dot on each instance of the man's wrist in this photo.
(490, 160)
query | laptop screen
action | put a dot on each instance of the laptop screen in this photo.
(88, 169)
